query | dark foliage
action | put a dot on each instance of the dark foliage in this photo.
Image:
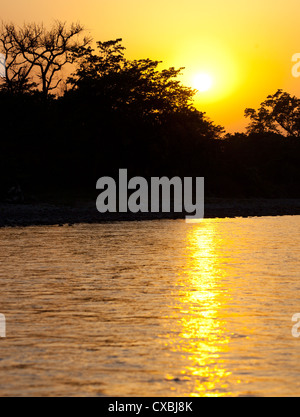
(129, 114)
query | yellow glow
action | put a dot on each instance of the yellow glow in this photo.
(202, 337)
(206, 365)
(246, 50)
(220, 70)
(202, 82)
(204, 314)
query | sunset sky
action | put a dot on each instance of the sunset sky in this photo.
(245, 48)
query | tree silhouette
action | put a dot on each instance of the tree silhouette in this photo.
(136, 90)
(136, 84)
(280, 113)
(127, 113)
(35, 56)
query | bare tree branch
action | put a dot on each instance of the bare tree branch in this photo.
(34, 53)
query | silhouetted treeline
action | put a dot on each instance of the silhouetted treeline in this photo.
(117, 114)
(66, 145)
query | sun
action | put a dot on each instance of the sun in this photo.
(203, 82)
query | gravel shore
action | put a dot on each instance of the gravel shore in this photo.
(46, 214)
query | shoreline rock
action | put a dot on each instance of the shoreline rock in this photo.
(22, 215)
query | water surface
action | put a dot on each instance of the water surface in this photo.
(160, 308)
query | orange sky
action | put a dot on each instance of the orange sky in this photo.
(246, 46)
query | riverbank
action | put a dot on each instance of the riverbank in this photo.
(46, 214)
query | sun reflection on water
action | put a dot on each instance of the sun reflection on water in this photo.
(203, 336)
(151, 309)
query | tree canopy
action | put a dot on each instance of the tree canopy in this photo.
(135, 84)
(119, 113)
(35, 55)
(279, 113)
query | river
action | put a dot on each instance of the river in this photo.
(158, 308)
